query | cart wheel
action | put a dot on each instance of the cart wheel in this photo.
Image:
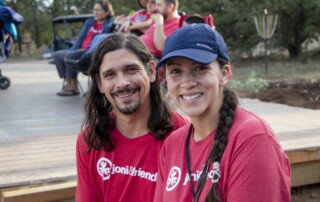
(4, 83)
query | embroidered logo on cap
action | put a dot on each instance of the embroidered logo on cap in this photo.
(204, 46)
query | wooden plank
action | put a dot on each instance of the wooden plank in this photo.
(48, 192)
(303, 156)
(305, 173)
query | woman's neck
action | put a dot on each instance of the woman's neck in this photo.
(207, 122)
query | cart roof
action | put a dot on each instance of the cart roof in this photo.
(72, 18)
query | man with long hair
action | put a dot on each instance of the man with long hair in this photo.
(126, 122)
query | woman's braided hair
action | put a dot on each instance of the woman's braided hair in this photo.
(227, 111)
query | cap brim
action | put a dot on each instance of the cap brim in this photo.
(197, 55)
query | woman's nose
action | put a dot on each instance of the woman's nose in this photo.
(188, 81)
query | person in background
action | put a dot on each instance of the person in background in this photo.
(227, 153)
(193, 19)
(126, 122)
(139, 22)
(166, 21)
(102, 23)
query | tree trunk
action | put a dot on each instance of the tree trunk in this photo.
(294, 50)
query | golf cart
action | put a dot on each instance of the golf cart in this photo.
(65, 31)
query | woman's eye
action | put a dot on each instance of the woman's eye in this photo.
(199, 68)
(174, 71)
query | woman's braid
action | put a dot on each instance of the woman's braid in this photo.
(227, 111)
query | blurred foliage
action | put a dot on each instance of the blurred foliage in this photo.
(253, 83)
(298, 19)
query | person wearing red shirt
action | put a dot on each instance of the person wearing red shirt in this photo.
(166, 21)
(102, 23)
(127, 120)
(227, 153)
(139, 22)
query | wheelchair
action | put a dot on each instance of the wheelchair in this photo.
(4, 44)
(9, 19)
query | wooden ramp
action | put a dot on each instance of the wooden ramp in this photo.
(38, 131)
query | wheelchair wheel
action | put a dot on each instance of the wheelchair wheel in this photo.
(4, 82)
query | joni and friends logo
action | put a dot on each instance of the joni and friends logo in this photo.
(106, 168)
(173, 178)
(175, 175)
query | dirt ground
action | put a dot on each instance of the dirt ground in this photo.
(293, 92)
(300, 93)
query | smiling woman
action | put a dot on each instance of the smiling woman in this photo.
(210, 166)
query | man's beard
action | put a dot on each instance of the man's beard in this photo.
(129, 107)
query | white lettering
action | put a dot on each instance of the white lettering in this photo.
(132, 171)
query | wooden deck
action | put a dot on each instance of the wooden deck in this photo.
(38, 130)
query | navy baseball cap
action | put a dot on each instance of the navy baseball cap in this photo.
(197, 42)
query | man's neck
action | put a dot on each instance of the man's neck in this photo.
(133, 125)
(172, 16)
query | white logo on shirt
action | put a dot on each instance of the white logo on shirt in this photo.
(173, 178)
(106, 168)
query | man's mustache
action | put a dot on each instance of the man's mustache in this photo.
(125, 90)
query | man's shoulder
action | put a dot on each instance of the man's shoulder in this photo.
(173, 21)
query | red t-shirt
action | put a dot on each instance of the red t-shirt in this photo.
(95, 29)
(169, 27)
(140, 16)
(128, 173)
(254, 167)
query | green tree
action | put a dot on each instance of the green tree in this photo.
(298, 21)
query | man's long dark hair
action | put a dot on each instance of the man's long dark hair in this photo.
(100, 120)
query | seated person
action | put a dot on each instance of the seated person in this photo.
(166, 21)
(139, 21)
(192, 19)
(102, 23)
(196, 18)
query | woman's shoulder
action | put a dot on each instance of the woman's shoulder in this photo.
(247, 125)
(246, 118)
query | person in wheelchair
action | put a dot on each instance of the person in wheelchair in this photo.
(9, 19)
(102, 23)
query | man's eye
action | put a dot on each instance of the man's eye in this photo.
(132, 70)
(109, 75)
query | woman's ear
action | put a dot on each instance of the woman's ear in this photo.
(152, 71)
(225, 75)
